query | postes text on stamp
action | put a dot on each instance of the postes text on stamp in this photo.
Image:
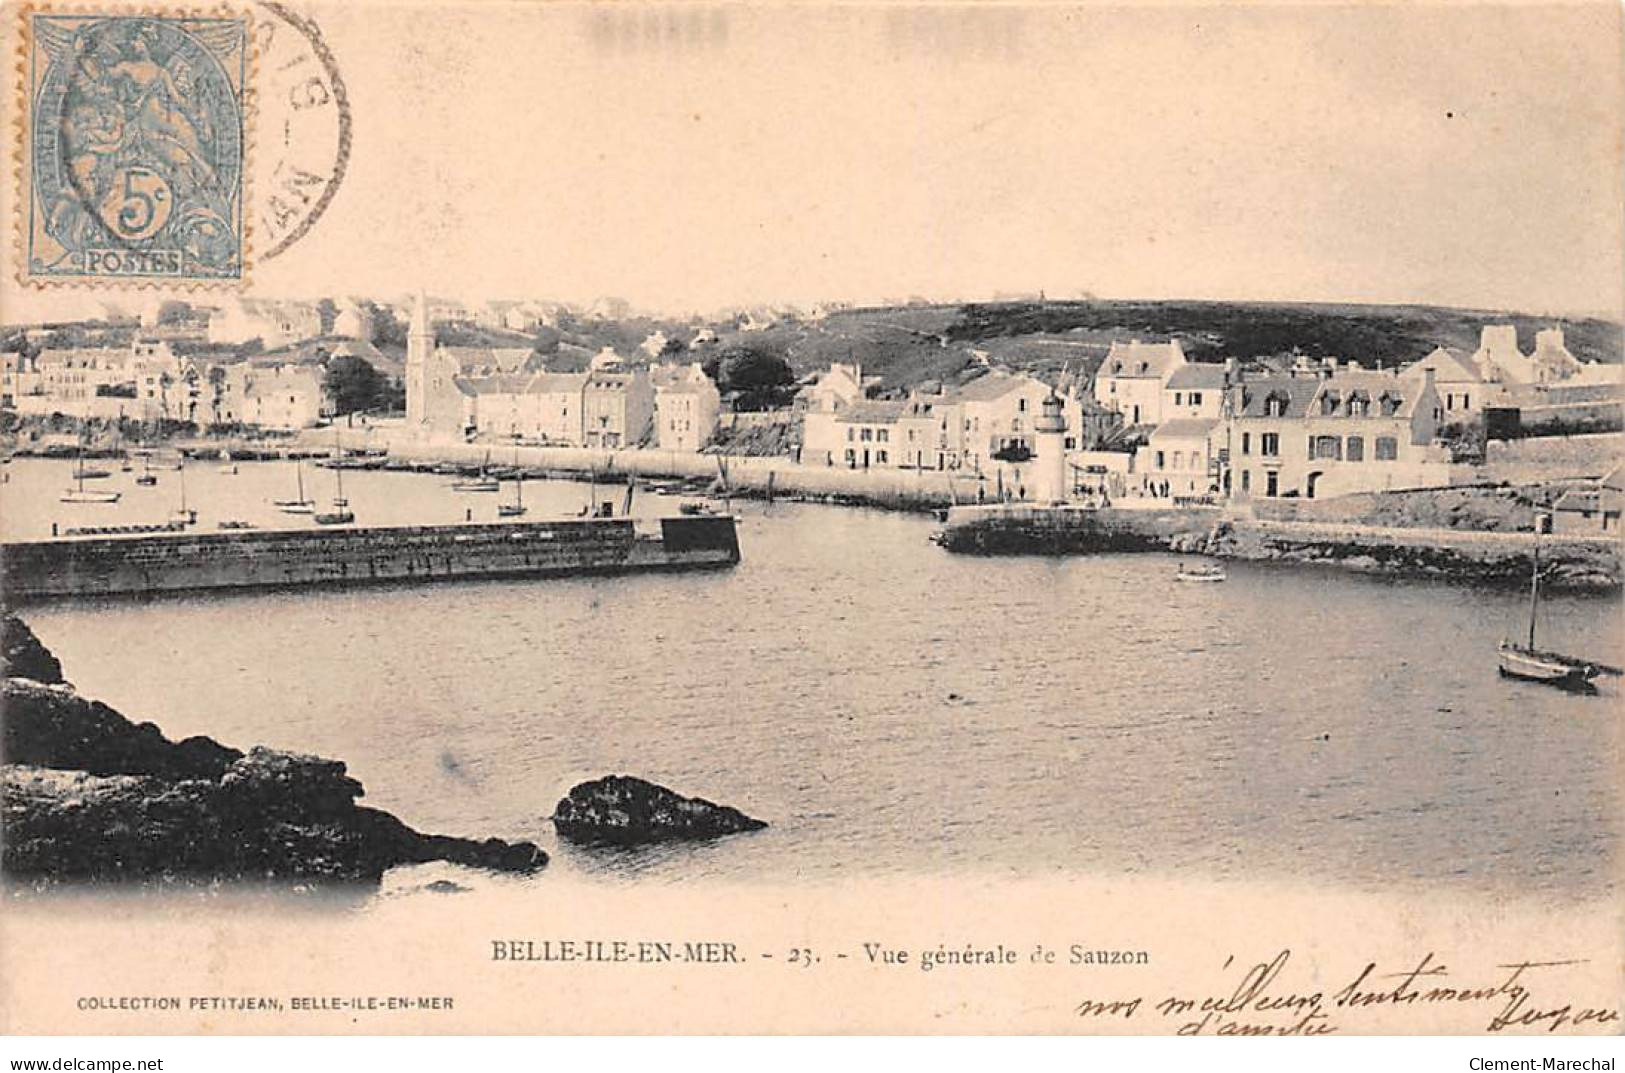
(136, 127)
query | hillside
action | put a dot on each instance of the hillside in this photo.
(910, 344)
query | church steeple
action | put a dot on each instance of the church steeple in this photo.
(419, 336)
(419, 349)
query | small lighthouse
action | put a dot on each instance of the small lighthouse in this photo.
(1050, 457)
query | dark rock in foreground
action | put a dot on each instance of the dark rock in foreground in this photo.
(88, 796)
(625, 811)
(22, 655)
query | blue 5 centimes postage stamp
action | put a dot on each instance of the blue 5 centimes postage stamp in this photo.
(136, 125)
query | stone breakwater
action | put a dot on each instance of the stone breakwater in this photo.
(1574, 564)
(89, 796)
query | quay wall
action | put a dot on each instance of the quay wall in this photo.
(747, 477)
(231, 560)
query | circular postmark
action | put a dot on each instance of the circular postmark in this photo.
(302, 128)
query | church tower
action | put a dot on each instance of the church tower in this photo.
(419, 349)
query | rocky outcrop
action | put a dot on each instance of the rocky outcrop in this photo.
(622, 810)
(88, 795)
(1488, 558)
(22, 655)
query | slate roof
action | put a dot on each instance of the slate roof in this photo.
(1184, 428)
(1197, 375)
(872, 413)
(1136, 359)
(486, 361)
(1298, 390)
(1450, 366)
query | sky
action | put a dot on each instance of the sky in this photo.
(692, 158)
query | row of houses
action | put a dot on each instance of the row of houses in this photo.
(147, 381)
(1154, 423)
(972, 426)
(494, 393)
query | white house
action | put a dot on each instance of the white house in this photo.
(686, 406)
(1132, 377)
(1334, 432)
(1194, 390)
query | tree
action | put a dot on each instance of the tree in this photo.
(328, 311)
(353, 384)
(758, 379)
(174, 312)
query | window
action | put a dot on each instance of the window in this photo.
(1177, 399)
(1269, 445)
(1359, 404)
(851, 434)
(1246, 480)
(1021, 406)
(1328, 403)
(1327, 447)
(867, 435)
(1356, 449)
(1387, 449)
(1275, 405)
(883, 435)
(1195, 398)
(1389, 404)
(1246, 443)
(1160, 464)
(850, 457)
(1272, 483)
(1466, 402)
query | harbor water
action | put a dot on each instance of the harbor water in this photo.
(889, 708)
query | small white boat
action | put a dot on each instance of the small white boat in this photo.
(80, 495)
(1526, 662)
(291, 507)
(230, 471)
(1206, 572)
(1549, 668)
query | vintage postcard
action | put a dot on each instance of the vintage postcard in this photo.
(528, 518)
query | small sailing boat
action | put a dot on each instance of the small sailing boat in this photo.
(1529, 663)
(517, 507)
(183, 515)
(301, 505)
(146, 478)
(83, 472)
(1203, 572)
(484, 482)
(79, 494)
(341, 513)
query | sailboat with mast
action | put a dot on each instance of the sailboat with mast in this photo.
(341, 514)
(517, 507)
(302, 504)
(146, 478)
(483, 482)
(183, 515)
(1531, 664)
(79, 493)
